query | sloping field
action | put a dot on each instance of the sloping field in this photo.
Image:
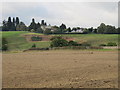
(17, 41)
(61, 69)
(95, 39)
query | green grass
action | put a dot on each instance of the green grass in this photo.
(18, 42)
(94, 39)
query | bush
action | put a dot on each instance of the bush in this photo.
(33, 46)
(58, 42)
(4, 44)
(111, 44)
(36, 38)
(73, 43)
(102, 45)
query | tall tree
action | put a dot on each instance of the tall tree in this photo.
(33, 25)
(74, 29)
(9, 24)
(62, 27)
(110, 29)
(38, 25)
(42, 22)
(90, 30)
(118, 30)
(13, 24)
(69, 29)
(17, 21)
(13, 20)
(101, 28)
(21, 27)
(45, 24)
(4, 27)
(95, 30)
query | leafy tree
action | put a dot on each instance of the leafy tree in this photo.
(69, 29)
(74, 29)
(106, 29)
(4, 27)
(95, 31)
(90, 30)
(101, 29)
(118, 30)
(110, 29)
(21, 27)
(85, 31)
(62, 27)
(78, 27)
(33, 25)
(56, 29)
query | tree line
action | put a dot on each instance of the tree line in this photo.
(14, 24)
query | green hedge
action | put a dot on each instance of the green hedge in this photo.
(36, 38)
(111, 44)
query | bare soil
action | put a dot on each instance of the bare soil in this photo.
(60, 69)
(44, 37)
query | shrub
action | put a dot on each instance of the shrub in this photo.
(4, 44)
(58, 42)
(73, 43)
(102, 45)
(33, 46)
(111, 44)
(36, 38)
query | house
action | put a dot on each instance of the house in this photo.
(78, 31)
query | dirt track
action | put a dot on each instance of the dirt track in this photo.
(60, 69)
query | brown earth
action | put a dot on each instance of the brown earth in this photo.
(60, 69)
(44, 37)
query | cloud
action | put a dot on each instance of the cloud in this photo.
(81, 14)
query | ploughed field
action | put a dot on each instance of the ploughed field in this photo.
(60, 69)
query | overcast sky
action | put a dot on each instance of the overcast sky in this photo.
(73, 14)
